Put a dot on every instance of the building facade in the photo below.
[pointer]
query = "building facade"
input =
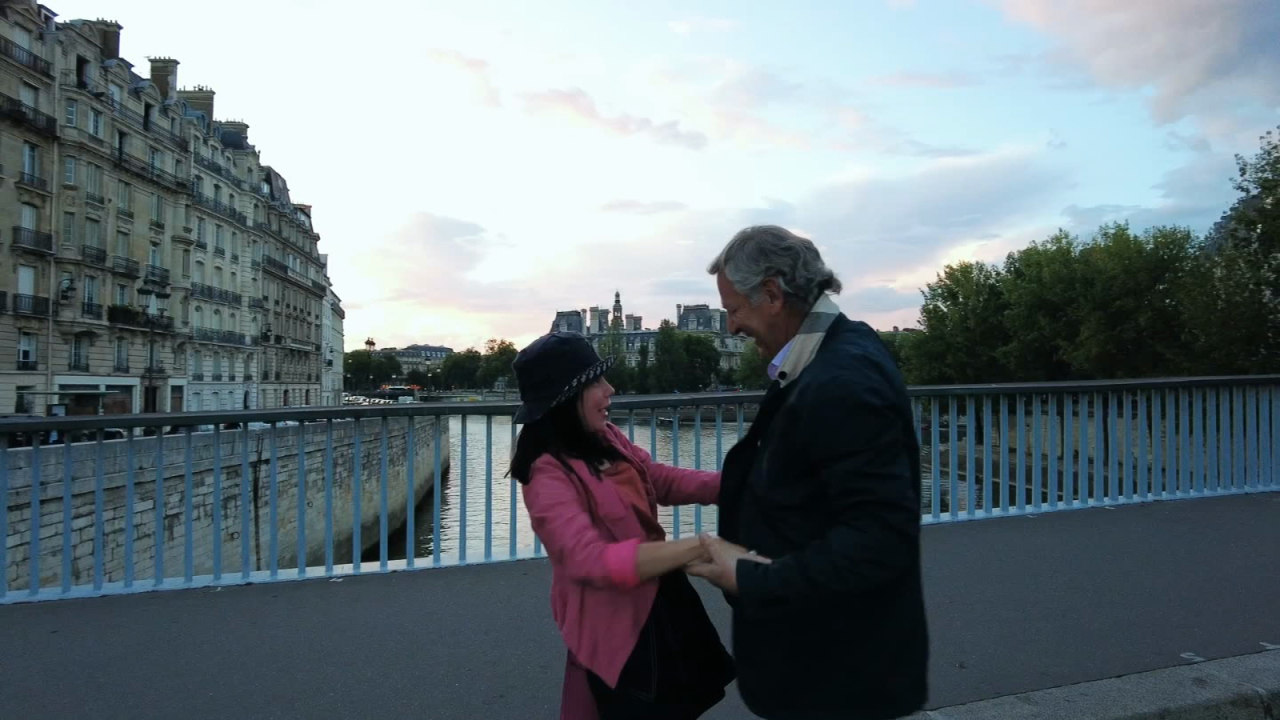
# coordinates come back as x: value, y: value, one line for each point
x: 596, y: 324
x: 149, y: 263
x: 424, y: 358
x: 332, y: 386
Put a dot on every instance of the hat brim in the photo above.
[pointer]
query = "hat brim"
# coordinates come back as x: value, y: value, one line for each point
x: 530, y: 411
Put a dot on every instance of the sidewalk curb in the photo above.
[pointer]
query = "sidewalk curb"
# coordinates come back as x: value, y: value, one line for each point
x: 1239, y: 688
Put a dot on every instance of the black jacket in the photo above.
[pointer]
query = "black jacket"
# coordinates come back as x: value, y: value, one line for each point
x: 827, y: 484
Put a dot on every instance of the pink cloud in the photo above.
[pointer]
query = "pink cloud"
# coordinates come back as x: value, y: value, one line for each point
x: 577, y: 104
x: 476, y: 69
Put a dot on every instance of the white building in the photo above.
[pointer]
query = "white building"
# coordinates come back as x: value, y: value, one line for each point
x: 331, y: 379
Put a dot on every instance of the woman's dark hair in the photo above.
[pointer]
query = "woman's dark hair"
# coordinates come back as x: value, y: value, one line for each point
x: 561, y: 434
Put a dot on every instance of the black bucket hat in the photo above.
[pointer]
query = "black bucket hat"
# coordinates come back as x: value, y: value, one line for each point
x: 553, y: 369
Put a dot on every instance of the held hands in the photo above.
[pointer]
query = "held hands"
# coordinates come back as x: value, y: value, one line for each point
x: 721, y: 562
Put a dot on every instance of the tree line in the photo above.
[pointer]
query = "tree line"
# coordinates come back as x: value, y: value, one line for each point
x: 1159, y: 302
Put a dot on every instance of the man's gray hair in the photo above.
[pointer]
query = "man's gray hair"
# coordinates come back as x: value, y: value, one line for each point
x: 768, y: 251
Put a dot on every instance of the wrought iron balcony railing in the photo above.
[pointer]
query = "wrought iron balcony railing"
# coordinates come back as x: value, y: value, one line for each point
x: 29, y: 239
x: 30, y: 305
x: 208, y: 292
x: 78, y: 364
x: 28, y: 365
x: 157, y: 274
x: 95, y: 255
x: 91, y: 310
x: 32, y: 180
x: 126, y: 266
x: 144, y: 169
x: 219, y: 207
x: 19, y: 112
x: 95, y: 199
x: 25, y: 57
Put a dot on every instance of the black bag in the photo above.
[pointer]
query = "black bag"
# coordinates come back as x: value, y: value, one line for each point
x: 678, y: 669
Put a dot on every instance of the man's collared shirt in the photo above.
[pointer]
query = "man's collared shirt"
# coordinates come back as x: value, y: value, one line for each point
x: 776, y: 364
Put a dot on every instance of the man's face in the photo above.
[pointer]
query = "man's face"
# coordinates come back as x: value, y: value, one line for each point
x: 762, y: 322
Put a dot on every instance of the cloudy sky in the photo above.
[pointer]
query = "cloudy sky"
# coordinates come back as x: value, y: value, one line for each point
x: 475, y: 166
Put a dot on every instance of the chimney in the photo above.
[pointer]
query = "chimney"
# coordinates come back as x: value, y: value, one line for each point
x: 164, y: 75
x: 239, y: 130
x: 199, y: 99
x: 679, y: 312
x: 110, y: 38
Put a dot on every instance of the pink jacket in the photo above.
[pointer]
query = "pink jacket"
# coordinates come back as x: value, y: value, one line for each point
x: 596, y: 599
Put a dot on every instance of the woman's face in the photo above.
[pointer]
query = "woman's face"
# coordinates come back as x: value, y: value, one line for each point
x: 594, y: 405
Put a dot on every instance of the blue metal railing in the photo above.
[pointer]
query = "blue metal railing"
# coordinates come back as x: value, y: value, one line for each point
x: 136, y: 502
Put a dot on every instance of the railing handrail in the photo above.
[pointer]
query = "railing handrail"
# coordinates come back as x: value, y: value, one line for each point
x: 508, y: 407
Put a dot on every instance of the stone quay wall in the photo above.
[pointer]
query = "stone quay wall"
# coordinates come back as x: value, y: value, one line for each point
x: 48, y: 527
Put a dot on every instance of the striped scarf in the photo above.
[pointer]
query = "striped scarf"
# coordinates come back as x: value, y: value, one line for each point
x: 806, y: 342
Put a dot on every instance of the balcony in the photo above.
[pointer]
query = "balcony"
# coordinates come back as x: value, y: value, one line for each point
x: 35, y: 182
x: 222, y: 337
x: 25, y: 57
x: 197, y: 376
x: 134, y: 317
x: 276, y: 265
x: 220, y: 170
x: 319, y: 286
x: 31, y: 305
x: 157, y: 369
x: 256, y: 264
x: 219, y: 207
x: 125, y: 213
x: 217, y: 377
x: 95, y: 199
x: 78, y: 364
x: 33, y: 240
x: 122, y: 366
x: 91, y: 310
x: 220, y: 251
x: 157, y: 274
x: 28, y: 365
x: 213, y: 294
x: 21, y: 113
x: 257, y: 304
x: 248, y: 377
x: 150, y: 172
x: 128, y: 267
x: 202, y: 244
x: 235, y: 257
x: 4, y: 301
x: 157, y: 225
x: 93, y: 255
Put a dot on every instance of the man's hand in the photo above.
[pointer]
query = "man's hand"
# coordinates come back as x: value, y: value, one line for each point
x: 722, y: 567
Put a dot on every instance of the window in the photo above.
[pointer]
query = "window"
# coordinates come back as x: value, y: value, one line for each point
x: 90, y: 289
x: 30, y: 217
x: 116, y: 92
x: 157, y: 207
x: 29, y: 95
x: 73, y: 112
x: 199, y: 183
x: 125, y: 196
x: 78, y: 356
x: 217, y: 236
x: 186, y: 263
x: 27, y: 347
x: 178, y: 167
x: 69, y: 170
x: 95, y: 123
x: 122, y: 354
x: 157, y: 158
x: 68, y: 227
x: 122, y: 243
x: 30, y: 159
x: 153, y: 256
x: 22, y: 37
x: 199, y: 277
x: 26, y: 280
x: 94, y: 177
x: 92, y: 233
x: 122, y: 294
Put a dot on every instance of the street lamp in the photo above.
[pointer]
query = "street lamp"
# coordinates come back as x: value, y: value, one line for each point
x: 150, y: 402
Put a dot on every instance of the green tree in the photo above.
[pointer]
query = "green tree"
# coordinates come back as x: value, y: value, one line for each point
x: 668, y: 366
x: 1231, y: 319
x: 496, y: 363
x: 1042, y: 286
x: 461, y: 370
x: 753, y: 370
x: 418, y: 377
x: 370, y: 371
x: 701, y: 361
x: 962, y: 319
x: 1253, y: 222
x: 642, y: 371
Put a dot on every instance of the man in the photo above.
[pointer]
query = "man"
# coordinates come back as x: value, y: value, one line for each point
x: 819, y: 502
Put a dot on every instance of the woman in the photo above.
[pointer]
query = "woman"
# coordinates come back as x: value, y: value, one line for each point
x: 640, y: 643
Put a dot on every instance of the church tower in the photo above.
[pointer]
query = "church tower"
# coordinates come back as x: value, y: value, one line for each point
x: 617, y: 309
